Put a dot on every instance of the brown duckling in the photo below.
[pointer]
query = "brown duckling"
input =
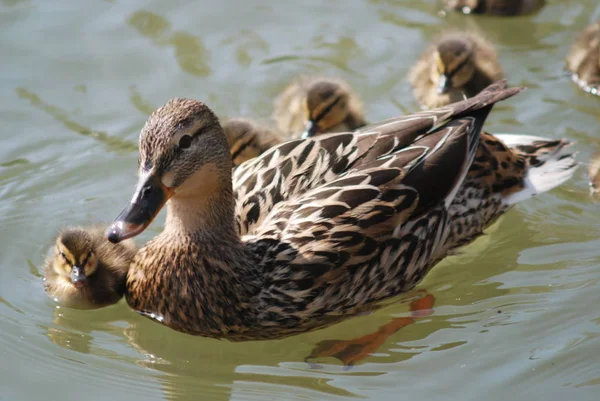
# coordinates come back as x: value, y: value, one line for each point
x: 248, y: 139
x: 593, y: 172
x: 456, y: 66
x: 583, y: 60
x: 495, y: 7
x: 310, y: 106
x: 85, y: 271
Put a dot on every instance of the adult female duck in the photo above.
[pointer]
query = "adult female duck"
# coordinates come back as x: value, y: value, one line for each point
x: 312, y: 230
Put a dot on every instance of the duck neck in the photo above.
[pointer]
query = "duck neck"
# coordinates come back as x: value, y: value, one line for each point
x: 210, y: 216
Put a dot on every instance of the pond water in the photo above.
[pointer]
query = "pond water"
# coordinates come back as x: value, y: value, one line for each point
x: 516, y: 313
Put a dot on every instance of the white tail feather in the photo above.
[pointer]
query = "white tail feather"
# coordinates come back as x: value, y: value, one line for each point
x: 558, y: 165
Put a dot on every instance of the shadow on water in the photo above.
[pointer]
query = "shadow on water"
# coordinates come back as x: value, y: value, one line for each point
x: 191, y: 54
x: 112, y: 143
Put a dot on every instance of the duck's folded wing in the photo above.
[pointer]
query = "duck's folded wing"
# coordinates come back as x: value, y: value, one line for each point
x: 291, y: 169
x: 382, y: 217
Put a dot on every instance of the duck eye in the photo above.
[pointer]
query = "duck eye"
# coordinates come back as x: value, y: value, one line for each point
x: 185, y: 142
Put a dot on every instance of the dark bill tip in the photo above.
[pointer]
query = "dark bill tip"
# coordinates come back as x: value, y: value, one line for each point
x: 310, y: 129
x: 150, y: 196
x: 77, y: 276
x: 444, y: 84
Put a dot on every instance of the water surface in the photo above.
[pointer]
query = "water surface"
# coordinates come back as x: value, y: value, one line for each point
x: 516, y: 313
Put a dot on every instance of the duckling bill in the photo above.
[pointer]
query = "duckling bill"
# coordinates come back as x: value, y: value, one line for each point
x: 85, y: 271
x: 495, y: 7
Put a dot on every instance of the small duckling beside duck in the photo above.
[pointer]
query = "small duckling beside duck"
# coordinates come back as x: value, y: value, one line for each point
x: 583, y: 60
x: 310, y: 106
x: 85, y: 271
x: 247, y: 139
x: 495, y: 7
x: 456, y: 66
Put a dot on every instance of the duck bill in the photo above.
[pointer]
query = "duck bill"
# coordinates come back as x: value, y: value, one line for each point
x: 443, y: 84
x: 149, y: 198
x: 310, y: 129
x: 77, y: 276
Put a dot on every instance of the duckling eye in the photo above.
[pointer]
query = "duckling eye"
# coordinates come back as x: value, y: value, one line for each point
x: 62, y: 254
x: 185, y: 142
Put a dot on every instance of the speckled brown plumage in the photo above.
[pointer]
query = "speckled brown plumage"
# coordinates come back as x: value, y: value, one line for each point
x: 329, y: 103
x: 495, y: 7
x: 310, y: 231
x: 583, y: 60
x: 467, y: 59
x: 107, y: 265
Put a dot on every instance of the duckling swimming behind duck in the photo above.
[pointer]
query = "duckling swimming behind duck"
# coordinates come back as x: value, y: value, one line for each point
x: 310, y: 106
x: 85, y: 271
x: 583, y: 60
x: 248, y: 139
x: 495, y: 7
x: 456, y: 66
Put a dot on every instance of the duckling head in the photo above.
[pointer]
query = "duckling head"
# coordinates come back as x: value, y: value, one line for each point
x: 74, y: 257
x: 453, y: 65
x: 242, y: 139
x: 327, y: 104
x: 184, y: 155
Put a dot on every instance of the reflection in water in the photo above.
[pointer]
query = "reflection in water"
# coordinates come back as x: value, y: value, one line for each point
x: 190, y: 53
x: 352, y: 351
x: 112, y: 143
x: 338, y: 54
x: 142, y: 105
x: 247, y: 42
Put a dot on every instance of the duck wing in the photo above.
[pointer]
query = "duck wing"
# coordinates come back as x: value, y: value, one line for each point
x: 293, y: 168
x: 370, y: 233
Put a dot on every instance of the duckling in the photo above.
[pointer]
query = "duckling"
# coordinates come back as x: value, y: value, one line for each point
x: 311, y: 106
x: 593, y: 172
x: 85, y: 271
x: 247, y: 139
x: 495, y: 7
x: 583, y: 60
x: 456, y: 66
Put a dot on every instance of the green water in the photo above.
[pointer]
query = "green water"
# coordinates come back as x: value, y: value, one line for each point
x: 516, y: 313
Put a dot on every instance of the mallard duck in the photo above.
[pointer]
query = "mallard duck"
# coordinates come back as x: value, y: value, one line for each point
x: 495, y: 7
x: 583, y: 60
x: 316, y: 105
x: 314, y: 230
x: 84, y: 270
x: 455, y: 66
x: 248, y: 139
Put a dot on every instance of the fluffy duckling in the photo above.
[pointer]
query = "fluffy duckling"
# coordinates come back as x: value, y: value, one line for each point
x: 85, y: 271
x: 593, y: 171
x: 456, y: 66
x: 248, y: 139
x: 583, y: 60
x: 310, y: 106
x: 495, y: 7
